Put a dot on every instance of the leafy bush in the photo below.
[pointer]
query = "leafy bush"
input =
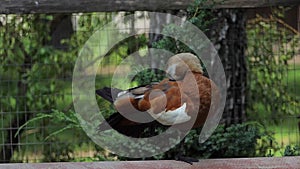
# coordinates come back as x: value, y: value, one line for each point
x: 291, y: 151
x: 148, y: 76
x: 238, y: 140
x: 271, y: 43
x: 200, y: 18
x: 32, y: 69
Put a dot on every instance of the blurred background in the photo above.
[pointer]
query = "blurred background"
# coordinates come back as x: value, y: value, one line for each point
x: 259, y: 49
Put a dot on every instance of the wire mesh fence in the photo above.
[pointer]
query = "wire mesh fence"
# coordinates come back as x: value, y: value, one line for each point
x: 36, y: 78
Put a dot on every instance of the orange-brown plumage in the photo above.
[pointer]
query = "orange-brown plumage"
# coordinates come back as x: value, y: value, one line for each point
x: 187, y: 85
x: 182, y: 100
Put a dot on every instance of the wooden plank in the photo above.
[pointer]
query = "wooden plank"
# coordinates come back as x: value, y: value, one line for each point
x: 234, y: 163
x: 75, y: 6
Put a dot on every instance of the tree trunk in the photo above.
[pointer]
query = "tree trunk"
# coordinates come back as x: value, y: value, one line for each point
x: 61, y: 28
x: 228, y: 34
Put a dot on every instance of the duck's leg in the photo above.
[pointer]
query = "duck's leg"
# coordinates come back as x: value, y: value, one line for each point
x: 180, y: 157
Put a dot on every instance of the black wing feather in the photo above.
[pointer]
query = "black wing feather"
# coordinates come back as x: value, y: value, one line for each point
x: 114, y: 120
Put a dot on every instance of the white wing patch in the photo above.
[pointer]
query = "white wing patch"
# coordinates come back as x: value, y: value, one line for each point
x: 126, y: 93
x: 171, y: 117
x: 139, y: 97
x: 122, y: 93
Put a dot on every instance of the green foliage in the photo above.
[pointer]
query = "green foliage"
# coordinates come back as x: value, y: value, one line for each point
x: 25, y: 55
x: 171, y: 44
x: 70, y: 120
x: 270, y: 45
x: 238, y: 140
x: 62, y: 152
x: 291, y: 151
x: 24, y: 41
x: 33, y: 74
x: 26, y: 61
x: 147, y: 76
x: 200, y: 14
x: 201, y: 18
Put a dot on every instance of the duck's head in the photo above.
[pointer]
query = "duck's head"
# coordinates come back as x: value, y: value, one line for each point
x: 180, y: 64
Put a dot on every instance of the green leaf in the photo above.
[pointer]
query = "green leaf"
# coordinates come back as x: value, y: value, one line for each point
x: 37, y: 118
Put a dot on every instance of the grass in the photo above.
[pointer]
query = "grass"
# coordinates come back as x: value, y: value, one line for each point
x: 293, y: 80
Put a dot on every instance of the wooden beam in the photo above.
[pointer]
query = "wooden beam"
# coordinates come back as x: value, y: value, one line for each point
x: 75, y: 6
x: 234, y: 163
x: 257, y: 3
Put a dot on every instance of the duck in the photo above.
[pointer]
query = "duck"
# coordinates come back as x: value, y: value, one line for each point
x: 182, y: 99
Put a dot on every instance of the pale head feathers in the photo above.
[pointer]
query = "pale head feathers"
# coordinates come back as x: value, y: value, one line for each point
x: 179, y: 64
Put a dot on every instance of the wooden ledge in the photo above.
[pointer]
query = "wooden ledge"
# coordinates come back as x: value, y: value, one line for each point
x: 234, y: 163
x: 75, y: 6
